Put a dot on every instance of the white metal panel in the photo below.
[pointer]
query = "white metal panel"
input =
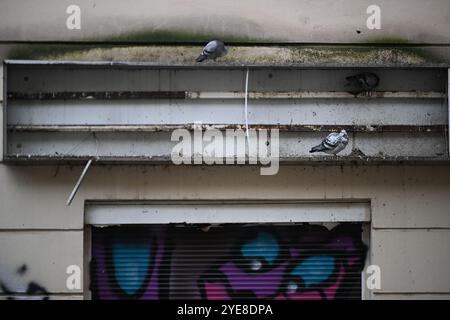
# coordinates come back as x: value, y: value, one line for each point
x: 229, y: 111
x: 226, y: 213
x: 146, y: 145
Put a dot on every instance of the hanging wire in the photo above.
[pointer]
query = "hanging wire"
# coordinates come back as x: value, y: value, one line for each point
x: 68, y: 152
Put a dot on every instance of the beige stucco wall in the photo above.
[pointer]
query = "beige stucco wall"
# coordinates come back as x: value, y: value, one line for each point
x: 270, y: 21
x: 410, y: 229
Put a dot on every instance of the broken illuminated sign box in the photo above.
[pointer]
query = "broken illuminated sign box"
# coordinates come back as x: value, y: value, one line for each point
x: 127, y: 112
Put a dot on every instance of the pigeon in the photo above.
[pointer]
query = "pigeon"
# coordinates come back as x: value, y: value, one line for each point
x: 362, y: 82
x: 213, y: 50
x: 333, y: 143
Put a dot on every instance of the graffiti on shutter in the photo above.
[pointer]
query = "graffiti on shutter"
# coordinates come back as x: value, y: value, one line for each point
x: 303, y: 261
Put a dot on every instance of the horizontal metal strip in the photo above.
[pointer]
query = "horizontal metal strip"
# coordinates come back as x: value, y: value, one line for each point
x: 195, y: 249
x: 122, y: 263
x: 355, y: 285
x: 218, y: 294
x: 198, y: 252
x: 182, y: 281
x: 137, y: 214
x: 198, y: 257
x: 195, y: 66
x: 185, y: 278
x: 168, y: 128
x: 131, y: 95
x: 187, y: 285
x: 190, y: 289
x: 98, y: 95
x: 220, y: 249
x: 158, y: 147
x: 180, y: 269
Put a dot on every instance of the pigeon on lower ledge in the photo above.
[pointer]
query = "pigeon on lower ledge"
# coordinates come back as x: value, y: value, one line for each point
x: 333, y: 144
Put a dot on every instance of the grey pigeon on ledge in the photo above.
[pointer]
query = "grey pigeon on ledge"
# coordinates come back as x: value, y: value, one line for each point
x: 362, y: 82
x: 333, y: 143
x: 213, y: 50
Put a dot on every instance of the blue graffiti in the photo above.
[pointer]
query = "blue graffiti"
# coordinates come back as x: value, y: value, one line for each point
x: 264, y: 246
x: 314, y: 270
x: 131, y: 262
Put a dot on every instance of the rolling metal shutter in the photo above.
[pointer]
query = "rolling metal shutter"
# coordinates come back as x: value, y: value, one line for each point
x: 299, y: 261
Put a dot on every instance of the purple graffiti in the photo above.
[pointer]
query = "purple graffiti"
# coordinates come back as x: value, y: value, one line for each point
x: 134, y: 272
x: 313, y: 263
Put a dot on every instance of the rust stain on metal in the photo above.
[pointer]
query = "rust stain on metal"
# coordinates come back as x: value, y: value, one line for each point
x: 98, y: 95
x: 122, y: 95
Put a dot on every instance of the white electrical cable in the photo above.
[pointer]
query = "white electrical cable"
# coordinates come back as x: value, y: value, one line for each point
x: 77, y: 185
x: 246, y: 112
x: 85, y: 170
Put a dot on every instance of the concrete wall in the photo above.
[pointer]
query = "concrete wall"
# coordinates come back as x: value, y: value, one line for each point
x: 26, y: 24
x: 410, y: 229
x: 268, y: 20
x: 409, y: 236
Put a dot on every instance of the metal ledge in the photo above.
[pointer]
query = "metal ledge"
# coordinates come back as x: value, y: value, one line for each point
x: 165, y: 160
x: 218, y: 66
x: 133, y: 95
x: 169, y: 128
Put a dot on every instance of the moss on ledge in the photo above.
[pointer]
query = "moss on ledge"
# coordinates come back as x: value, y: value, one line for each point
x: 237, y: 55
